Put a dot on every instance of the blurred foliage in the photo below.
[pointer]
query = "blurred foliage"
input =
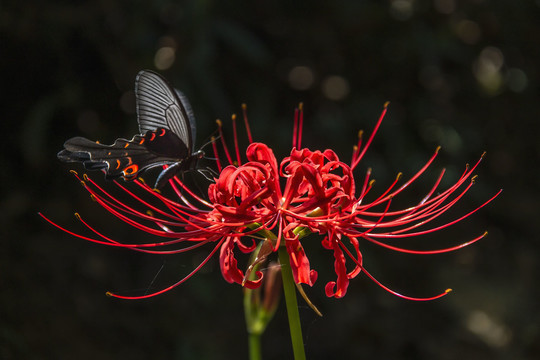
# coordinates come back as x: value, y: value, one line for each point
x: 462, y: 74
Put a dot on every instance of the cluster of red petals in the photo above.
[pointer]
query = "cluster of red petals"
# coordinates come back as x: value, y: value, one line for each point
x: 249, y: 198
x: 308, y: 192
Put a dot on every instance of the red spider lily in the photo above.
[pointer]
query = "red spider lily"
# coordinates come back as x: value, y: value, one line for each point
x: 308, y: 192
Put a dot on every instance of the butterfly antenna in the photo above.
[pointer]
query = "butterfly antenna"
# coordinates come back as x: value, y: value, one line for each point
x: 213, y: 137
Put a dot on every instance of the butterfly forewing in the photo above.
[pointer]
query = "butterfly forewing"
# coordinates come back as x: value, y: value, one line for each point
x: 158, y: 106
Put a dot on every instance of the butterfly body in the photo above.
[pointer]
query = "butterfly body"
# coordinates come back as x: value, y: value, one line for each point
x: 167, y: 129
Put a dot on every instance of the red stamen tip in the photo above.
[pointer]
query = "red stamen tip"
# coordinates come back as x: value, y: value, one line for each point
x: 74, y: 172
x: 244, y: 106
x: 386, y: 104
x: 448, y: 290
x: 219, y: 123
x: 399, y: 175
x: 233, y: 117
x: 78, y: 216
x: 437, y: 149
x: 109, y: 294
x: 473, y: 179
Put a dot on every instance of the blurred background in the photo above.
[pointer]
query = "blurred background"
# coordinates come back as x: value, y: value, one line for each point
x: 460, y: 74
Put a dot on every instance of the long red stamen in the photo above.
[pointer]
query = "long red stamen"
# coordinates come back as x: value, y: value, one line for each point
x: 386, y: 287
x: 246, y: 123
x: 300, y: 124
x: 370, y: 139
x: 426, y: 252
x: 235, y: 135
x: 216, y: 154
x: 146, y: 296
x: 223, y: 143
x: 357, y: 147
x: 295, y: 129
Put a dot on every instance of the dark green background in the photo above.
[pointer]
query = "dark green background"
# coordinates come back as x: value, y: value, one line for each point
x: 67, y: 66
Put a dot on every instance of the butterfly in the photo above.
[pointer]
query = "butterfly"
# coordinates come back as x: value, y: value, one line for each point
x: 167, y: 131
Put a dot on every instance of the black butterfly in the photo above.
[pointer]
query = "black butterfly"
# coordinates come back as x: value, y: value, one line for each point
x: 167, y: 131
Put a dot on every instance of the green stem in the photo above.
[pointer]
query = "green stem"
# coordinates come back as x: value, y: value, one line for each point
x: 289, y: 289
x: 255, y: 346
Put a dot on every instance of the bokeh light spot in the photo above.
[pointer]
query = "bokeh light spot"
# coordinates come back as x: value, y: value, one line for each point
x: 468, y: 31
x: 127, y: 102
x: 335, y: 87
x: 401, y: 9
x: 164, y: 58
x: 516, y: 80
x: 488, y: 329
x: 301, y: 77
x: 487, y: 68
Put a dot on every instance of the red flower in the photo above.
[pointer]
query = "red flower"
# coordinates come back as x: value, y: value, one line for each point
x: 309, y: 192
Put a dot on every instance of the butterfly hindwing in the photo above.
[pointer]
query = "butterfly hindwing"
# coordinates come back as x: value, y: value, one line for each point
x: 125, y: 158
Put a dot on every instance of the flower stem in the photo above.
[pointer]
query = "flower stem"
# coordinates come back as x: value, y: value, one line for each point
x: 289, y: 290
x: 255, y: 346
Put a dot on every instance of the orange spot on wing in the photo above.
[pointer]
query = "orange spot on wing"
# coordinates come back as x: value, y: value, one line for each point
x: 130, y: 170
x: 162, y: 132
x: 117, y: 163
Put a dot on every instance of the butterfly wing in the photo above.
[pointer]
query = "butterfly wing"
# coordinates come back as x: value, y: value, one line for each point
x: 161, y: 106
x: 166, y: 125
x: 124, y: 158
